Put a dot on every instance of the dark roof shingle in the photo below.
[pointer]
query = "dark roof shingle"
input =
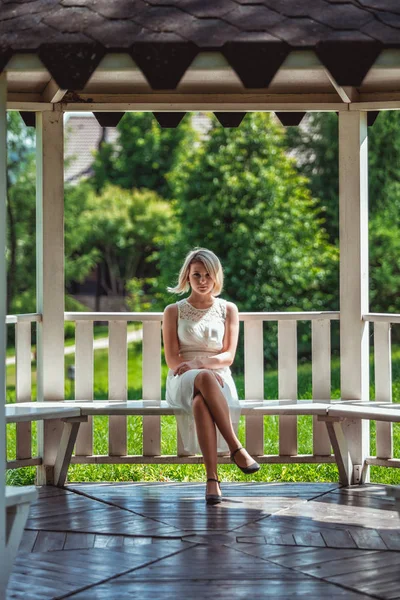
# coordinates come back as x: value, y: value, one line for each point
x: 164, y: 36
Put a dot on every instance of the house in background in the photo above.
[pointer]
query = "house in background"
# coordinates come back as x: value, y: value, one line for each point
x: 83, y: 137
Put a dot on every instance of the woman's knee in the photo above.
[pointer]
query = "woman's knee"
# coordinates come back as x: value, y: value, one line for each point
x: 204, y: 378
x: 198, y: 402
x: 199, y: 407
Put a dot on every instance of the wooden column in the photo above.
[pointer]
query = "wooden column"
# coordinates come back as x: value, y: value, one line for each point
x: 23, y: 384
x: 353, y: 209
x: 117, y: 385
x: 84, y: 378
x: 3, y: 310
x: 287, y: 384
x: 151, y: 376
x: 383, y: 386
x: 254, y: 383
x: 321, y: 380
x: 50, y: 279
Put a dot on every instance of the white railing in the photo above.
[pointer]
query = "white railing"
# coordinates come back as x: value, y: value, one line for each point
x: 23, y: 384
x: 151, y: 383
x: 383, y: 385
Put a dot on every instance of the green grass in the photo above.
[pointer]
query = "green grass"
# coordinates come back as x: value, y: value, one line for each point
x: 294, y: 472
x: 99, y: 331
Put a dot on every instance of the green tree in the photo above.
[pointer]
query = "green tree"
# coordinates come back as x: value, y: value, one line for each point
x: 20, y: 207
x: 315, y: 146
x: 21, y: 229
x: 143, y: 154
x: 240, y: 195
x: 121, y: 228
x: 384, y: 242
x: 80, y: 256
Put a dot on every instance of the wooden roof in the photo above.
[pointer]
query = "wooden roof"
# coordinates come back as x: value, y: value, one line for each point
x: 194, y: 46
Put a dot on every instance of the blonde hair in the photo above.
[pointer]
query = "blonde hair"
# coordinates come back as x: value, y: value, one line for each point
x: 210, y: 261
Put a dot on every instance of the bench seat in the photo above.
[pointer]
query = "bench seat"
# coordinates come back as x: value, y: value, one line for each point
x: 18, y: 501
x: 374, y: 411
x: 68, y: 412
x: 332, y: 412
x: 37, y: 411
x: 160, y: 407
x: 20, y: 494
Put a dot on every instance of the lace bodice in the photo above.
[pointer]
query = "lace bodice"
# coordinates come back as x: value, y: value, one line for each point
x: 190, y: 313
x: 201, y: 331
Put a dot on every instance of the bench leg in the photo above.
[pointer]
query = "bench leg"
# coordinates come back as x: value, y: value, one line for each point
x: 340, y: 449
x: 65, y: 448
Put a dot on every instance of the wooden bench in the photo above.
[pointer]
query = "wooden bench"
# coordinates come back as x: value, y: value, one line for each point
x: 68, y: 412
x: 337, y: 413
x: 18, y: 500
x: 332, y: 413
x: 72, y: 413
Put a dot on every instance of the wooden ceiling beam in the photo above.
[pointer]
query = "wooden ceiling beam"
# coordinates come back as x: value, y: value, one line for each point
x: 53, y: 93
x: 346, y: 93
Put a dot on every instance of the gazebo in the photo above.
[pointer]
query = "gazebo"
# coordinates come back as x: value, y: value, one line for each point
x: 170, y: 57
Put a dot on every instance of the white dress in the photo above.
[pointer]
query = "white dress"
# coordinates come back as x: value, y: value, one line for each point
x: 200, y: 334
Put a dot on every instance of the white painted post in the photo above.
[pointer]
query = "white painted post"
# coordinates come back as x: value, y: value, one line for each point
x: 353, y: 221
x: 50, y: 279
x: 3, y: 310
x: 321, y: 380
x: 383, y: 386
x: 254, y: 383
x: 23, y: 384
x: 151, y: 377
x: 287, y: 383
x: 117, y: 385
x: 84, y: 365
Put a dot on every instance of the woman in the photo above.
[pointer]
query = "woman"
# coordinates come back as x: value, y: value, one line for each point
x: 200, y: 339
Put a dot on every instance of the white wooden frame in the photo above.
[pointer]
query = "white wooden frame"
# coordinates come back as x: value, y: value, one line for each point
x: 14, y: 503
x: 353, y: 225
x: 351, y: 107
x: 50, y: 278
x: 3, y: 310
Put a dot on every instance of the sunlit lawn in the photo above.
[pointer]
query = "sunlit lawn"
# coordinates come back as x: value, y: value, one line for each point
x: 294, y: 472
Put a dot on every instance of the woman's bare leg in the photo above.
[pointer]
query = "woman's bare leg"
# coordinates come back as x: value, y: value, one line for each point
x: 207, y: 436
x: 209, y: 388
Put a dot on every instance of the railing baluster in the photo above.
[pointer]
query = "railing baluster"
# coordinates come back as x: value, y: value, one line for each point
x: 151, y: 385
x: 321, y: 380
x: 254, y: 383
x: 23, y: 384
x: 383, y: 386
x: 84, y: 382
x: 117, y: 385
x: 287, y: 382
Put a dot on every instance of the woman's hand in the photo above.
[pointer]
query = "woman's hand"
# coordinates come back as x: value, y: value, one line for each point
x: 218, y: 378
x: 196, y: 364
x: 182, y: 368
x: 187, y: 365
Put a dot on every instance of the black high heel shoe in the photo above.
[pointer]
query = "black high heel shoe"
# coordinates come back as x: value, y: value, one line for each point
x: 213, y: 498
x: 248, y: 470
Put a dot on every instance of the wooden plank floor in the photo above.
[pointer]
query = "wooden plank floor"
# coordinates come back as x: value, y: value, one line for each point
x: 160, y: 540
